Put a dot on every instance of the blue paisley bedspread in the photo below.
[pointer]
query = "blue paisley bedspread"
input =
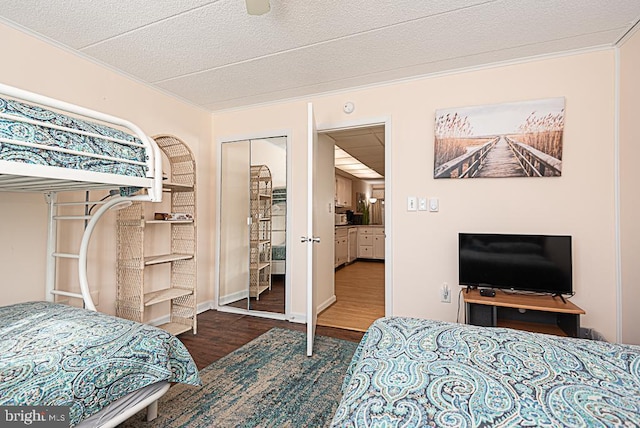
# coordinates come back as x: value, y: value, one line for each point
x: 417, y: 373
x: 41, y: 134
x: 58, y: 355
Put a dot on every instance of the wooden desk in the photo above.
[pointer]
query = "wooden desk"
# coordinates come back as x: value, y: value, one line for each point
x: 540, y: 314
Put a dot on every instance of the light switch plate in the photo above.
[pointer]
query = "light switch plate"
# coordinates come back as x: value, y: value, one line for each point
x: 422, y: 204
x: 412, y: 203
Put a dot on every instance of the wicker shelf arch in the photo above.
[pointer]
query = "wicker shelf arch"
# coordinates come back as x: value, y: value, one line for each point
x: 136, y: 221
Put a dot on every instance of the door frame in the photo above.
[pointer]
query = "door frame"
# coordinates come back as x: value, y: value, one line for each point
x: 388, y: 194
x: 216, y: 283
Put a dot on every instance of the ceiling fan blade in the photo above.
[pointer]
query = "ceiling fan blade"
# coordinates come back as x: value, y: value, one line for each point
x: 257, y: 7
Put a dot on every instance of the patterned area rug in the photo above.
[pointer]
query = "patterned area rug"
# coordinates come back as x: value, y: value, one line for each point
x: 269, y: 382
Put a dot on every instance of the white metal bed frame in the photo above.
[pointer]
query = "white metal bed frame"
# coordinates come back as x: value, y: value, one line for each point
x: 23, y: 177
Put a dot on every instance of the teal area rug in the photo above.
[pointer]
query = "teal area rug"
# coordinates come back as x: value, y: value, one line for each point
x: 269, y: 382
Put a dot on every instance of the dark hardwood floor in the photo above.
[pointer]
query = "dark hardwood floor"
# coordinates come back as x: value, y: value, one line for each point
x: 220, y: 333
x: 270, y: 300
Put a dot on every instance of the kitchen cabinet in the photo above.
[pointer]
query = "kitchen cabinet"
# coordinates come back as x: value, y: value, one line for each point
x: 378, y: 243
x: 341, y: 247
x: 343, y: 191
x: 371, y: 242
x: 352, y: 244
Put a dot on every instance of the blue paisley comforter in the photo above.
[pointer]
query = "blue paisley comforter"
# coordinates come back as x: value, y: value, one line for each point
x: 415, y: 373
x: 39, y: 134
x: 52, y: 354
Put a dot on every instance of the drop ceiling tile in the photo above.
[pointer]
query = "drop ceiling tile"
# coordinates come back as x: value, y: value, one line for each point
x: 223, y: 33
x: 359, y: 61
x: 216, y: 55
x: 79, y: 23
x: 211, y: 80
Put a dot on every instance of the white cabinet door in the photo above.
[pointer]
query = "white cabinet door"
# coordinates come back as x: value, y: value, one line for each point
x: 341, y: 249
x: 352, y: 244
x: 343, y: 191
x: 378, y: 243
x: 378, y: 247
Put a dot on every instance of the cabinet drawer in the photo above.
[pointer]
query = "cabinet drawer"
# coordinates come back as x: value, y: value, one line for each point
x: 341, y: 232
x: 365, y: 239
x: 365, y: 230
x: 365, y: 251
x: 378, y: 231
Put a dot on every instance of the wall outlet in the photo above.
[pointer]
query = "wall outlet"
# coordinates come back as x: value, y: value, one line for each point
x: 445, y: 293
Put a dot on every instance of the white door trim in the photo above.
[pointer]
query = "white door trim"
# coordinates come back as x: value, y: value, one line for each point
x: 388, y: 195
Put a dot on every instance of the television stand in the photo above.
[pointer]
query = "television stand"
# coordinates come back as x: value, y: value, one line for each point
x: 536, y: 313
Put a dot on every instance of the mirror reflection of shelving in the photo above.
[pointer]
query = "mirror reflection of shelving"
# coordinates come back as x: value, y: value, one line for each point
x: 279, y: 231
x: 250, y: 259
x: 260, y: 230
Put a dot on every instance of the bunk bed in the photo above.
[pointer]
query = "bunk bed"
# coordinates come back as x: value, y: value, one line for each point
x: 104, y: 368
x: 410, y: 372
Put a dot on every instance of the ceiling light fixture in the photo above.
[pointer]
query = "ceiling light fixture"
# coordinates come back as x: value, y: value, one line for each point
x: 257, y: 7
x: 347, y: 163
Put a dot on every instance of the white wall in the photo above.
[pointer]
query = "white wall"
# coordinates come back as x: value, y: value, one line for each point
x: 424, y: 244
x: 629, y: 195
x: 42, y: 68
x: 424, y: 247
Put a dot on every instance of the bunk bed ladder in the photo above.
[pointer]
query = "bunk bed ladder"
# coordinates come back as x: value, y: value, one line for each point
x: 53, y: 255
x: 89, y: 221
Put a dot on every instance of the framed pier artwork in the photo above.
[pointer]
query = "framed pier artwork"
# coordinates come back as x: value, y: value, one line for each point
x: 520, y: 139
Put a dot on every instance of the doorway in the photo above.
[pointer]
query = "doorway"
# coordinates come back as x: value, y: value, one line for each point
x: 361, y: 270
x: 253, y: 226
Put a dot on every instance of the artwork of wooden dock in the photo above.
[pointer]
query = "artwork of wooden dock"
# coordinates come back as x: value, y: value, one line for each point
x: 504, y: 140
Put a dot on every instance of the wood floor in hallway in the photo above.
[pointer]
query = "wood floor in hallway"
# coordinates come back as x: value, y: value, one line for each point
x: 359, y: 297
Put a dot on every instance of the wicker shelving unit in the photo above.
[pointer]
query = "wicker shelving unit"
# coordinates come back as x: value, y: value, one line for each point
x: 260, y: 230
x: 136, y: 221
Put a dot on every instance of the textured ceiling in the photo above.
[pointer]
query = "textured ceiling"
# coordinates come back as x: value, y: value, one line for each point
x: 215, y: 55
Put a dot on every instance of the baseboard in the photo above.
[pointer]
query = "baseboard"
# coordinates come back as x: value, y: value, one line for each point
x: 210, y: 304
x: 205, y: 306
x: 233, y: 297
x: 200, y: 308
x: 297, y: 318
x: 324, y: 305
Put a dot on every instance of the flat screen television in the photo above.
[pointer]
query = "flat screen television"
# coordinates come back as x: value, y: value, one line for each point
x: 538, y: 263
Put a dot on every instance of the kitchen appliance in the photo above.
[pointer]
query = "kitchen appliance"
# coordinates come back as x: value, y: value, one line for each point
x: 349, y: 214
x: 341, y: 219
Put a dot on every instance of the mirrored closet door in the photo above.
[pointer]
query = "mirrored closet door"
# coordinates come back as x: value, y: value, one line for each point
x: 253, y: 224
